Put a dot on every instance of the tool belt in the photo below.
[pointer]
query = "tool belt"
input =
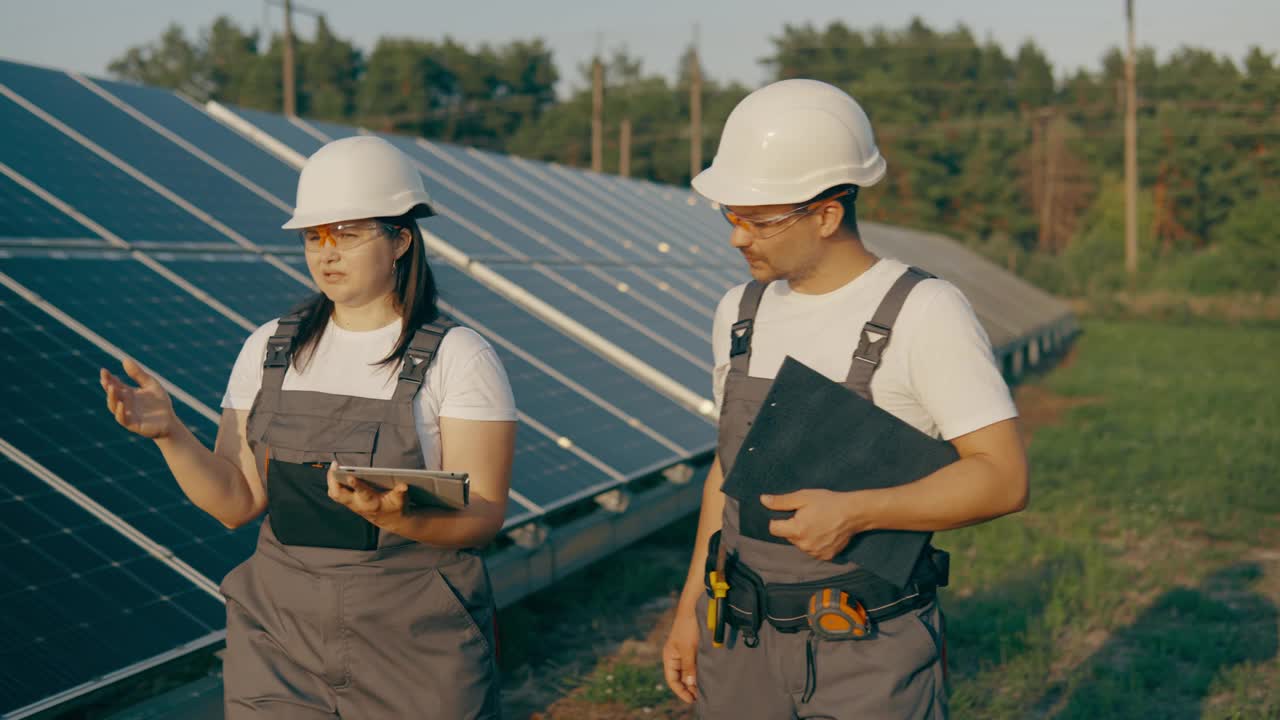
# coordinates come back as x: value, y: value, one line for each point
x: 860, y: 597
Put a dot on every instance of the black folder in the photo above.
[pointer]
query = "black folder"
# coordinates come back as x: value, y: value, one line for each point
x: 814, y: 433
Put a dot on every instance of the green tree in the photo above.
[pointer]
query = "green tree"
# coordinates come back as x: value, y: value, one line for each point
x: 170, y: 62
x: 329, y: 69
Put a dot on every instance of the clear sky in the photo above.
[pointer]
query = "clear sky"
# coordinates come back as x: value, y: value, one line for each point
x: 84, y: 35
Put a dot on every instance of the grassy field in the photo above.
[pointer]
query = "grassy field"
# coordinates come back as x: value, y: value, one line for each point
x: 1143, y: 582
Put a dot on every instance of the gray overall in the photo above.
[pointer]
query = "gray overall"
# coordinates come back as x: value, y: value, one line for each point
x: 331, y: 617
x: 898, y: 673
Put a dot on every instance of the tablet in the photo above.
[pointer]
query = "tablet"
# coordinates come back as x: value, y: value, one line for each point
x: 430, y: 488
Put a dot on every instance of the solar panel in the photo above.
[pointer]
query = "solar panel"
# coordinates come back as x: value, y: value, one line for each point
x: 584, y: 424
x: 191, y: 123
x: 679, y: 325
x: 461, y: 174
x: 644, y: 341
x: 133, y: 307
x: 213, y: 192
x: 707, y: 243
x: 656, y: 259
x: 640, y: 241
x: 23, y: 215
x: 720, y: 281
x: 91, y: 185
x: 52, y: 374
x: 505, y: 323
x: 672, y: 202
x: 688, y: 254
x: 245, y: 283
x: 80, y: 600
x: 280, y: 128
x: 541, y: 469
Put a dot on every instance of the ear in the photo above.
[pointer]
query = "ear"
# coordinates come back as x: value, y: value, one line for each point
x: 830, y: 218
x: 404, y: 240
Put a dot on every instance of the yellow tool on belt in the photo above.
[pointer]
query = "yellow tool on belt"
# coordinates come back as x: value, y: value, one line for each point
x: 832, y: 617
x: 716, y: 618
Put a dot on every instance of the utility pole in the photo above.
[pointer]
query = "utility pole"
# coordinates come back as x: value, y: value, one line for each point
x: 1050, y: 143
x: 290, y: 87
x: 1130, y: 154
x: 597, y: 114
x: 695, y: 108
x: 624, y: 148
x: 289, y: 71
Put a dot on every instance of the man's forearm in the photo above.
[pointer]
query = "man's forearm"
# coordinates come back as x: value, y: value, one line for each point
x: 967, y: 492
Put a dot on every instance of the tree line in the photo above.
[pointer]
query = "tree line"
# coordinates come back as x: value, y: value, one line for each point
x: 992, y: 147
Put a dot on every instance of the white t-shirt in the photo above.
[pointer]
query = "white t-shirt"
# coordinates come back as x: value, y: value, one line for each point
x: 938, y: 373
x: 466, y: 380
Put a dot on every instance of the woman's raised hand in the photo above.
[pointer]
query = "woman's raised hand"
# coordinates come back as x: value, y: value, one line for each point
x: 145, y: 409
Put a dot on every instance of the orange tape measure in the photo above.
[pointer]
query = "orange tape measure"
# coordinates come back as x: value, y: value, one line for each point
x: 832, y: 617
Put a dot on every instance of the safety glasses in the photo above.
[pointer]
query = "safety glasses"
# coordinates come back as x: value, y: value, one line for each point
x: 765, y: 228
x: 344, y: 236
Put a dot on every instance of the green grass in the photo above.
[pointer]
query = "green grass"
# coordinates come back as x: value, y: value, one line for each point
x: 634, y: 685
x: 1132, y: 587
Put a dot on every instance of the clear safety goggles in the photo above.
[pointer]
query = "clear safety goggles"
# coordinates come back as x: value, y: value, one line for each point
x: 346, y: 235
x: 765, y: 228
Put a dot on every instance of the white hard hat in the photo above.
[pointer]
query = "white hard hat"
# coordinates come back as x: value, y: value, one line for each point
x: 788, y: 142
x: 358, y: 177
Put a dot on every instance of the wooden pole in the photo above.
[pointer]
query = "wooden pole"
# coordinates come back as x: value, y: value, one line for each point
x: 290, y: 86
x: 597, y: 115
x: 1130, y: 153
x: 695, y: 113
x: 624, y: 148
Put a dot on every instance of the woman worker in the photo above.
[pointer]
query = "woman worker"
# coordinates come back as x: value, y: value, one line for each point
x: 353, y: 605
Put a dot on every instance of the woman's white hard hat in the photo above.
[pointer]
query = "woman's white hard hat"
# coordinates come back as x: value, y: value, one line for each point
x: 358, y: 177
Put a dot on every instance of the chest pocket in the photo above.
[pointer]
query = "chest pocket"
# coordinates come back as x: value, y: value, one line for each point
x: 298, y: 502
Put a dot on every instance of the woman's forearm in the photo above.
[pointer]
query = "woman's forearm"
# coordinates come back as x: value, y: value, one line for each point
x: 471, y: 527
x: 212, y: 482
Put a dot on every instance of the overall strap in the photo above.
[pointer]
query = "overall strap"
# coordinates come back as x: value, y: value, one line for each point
x: 280, y: 351
x: 875, y: 335
x: 740, y: 335
x: 418, y: 356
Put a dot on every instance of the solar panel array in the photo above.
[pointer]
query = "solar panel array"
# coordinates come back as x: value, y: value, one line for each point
x: 136, y: 223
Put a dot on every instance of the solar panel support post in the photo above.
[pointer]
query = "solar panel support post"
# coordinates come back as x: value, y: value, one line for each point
x: 679, y: 474
x: 529, y: 536
x: 616, y: 500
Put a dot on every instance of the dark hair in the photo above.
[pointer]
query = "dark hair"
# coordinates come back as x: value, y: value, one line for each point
x: 848, y: 202
x: 415, y: 298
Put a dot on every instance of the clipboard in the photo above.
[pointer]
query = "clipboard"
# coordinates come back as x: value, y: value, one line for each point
x: 811, y: 432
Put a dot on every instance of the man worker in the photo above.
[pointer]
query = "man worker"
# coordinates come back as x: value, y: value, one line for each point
x: 792, y: 159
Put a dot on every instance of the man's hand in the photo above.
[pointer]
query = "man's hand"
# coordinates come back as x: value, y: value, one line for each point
x: 680, y: 654
x: 823, y: 523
